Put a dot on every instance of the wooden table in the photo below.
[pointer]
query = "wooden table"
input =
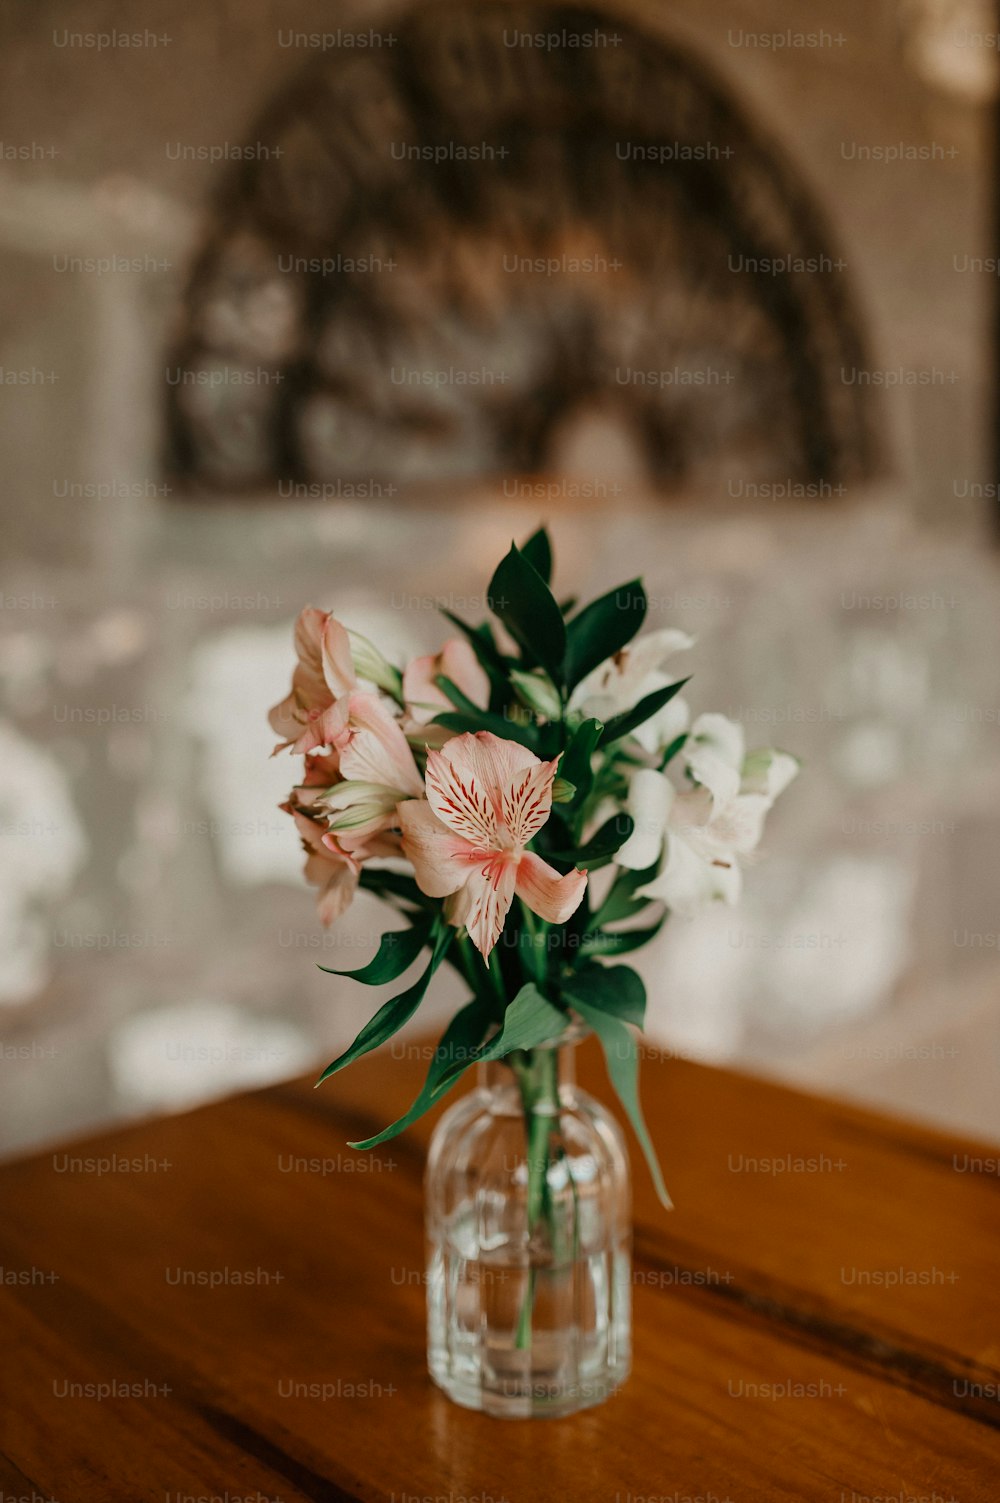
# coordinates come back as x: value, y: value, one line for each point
x: 819, y: 1318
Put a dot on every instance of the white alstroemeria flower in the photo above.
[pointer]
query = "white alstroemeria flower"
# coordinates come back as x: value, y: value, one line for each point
x: 715, y: 756
x: 714, y: 753
x: 700, y: 834
x: 619, y: 683
x: 651, y: 796
x: 769, y: 772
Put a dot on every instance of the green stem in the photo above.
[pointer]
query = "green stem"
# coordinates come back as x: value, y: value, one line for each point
x: 484, y: 981
x: 467, y: 957
x: 536, y: 930
x: 537, y: 1072
x: 496, y: 977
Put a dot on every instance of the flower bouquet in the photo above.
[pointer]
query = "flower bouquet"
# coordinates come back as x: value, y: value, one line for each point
x: 532, y: 801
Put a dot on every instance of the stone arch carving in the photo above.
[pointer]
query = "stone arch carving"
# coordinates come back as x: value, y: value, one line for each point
x: 448, y: 239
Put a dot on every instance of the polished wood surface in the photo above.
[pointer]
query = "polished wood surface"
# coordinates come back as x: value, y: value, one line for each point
x: 229, y: 1304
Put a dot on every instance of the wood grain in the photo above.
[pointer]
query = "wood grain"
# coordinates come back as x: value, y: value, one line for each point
x: 825, y: 1330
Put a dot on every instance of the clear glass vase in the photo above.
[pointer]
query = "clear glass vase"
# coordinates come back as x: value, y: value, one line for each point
x: 529, y: 1233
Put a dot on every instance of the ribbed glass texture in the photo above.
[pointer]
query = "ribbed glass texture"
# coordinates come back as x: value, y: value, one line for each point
x: 529, y: 1243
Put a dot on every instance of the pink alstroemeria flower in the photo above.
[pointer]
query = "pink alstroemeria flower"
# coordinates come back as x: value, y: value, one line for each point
x: 324, y: 672
x: 330, y: 868
x: 334, y: 860
x: 456, y: 661
x: 370, y: 745
x: 321, y: 772
x: 486, y: 798
x: 358, y: 783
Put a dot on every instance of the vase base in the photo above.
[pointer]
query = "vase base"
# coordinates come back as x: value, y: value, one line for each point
x: 514, y: 1394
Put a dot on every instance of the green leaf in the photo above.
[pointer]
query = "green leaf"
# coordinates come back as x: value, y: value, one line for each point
x: 481, y: 640
x: 529, y: 1020
x: 623, y: 1071
x: 520, y: 598
x: 457, y: 1047
x: 601, y: 847
x: 485, y: 720
x: 393, y: 1014
x: 672, y: 750
x: 533, y: 952
x: 616, y: 990
x: 389, y: 884
x: 630, y: 720
x: 575, y: 766
x: 538, y: 551
x: 396, y: 952
x: 620, y: 943
x: 500, y: 725
x: 621, y: 902
x: 461, y: 701
x: 602, y: 629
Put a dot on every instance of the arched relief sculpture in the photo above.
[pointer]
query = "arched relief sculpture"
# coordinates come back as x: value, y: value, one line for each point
x: 452, y: 240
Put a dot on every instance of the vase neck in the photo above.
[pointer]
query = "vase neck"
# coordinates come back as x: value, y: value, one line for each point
x: 544, y: 1072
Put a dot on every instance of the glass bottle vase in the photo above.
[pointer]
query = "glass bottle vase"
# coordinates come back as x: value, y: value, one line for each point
x: 528, y: 1206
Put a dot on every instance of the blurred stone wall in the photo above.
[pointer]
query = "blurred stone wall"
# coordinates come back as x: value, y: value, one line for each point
x: 158, y: 945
